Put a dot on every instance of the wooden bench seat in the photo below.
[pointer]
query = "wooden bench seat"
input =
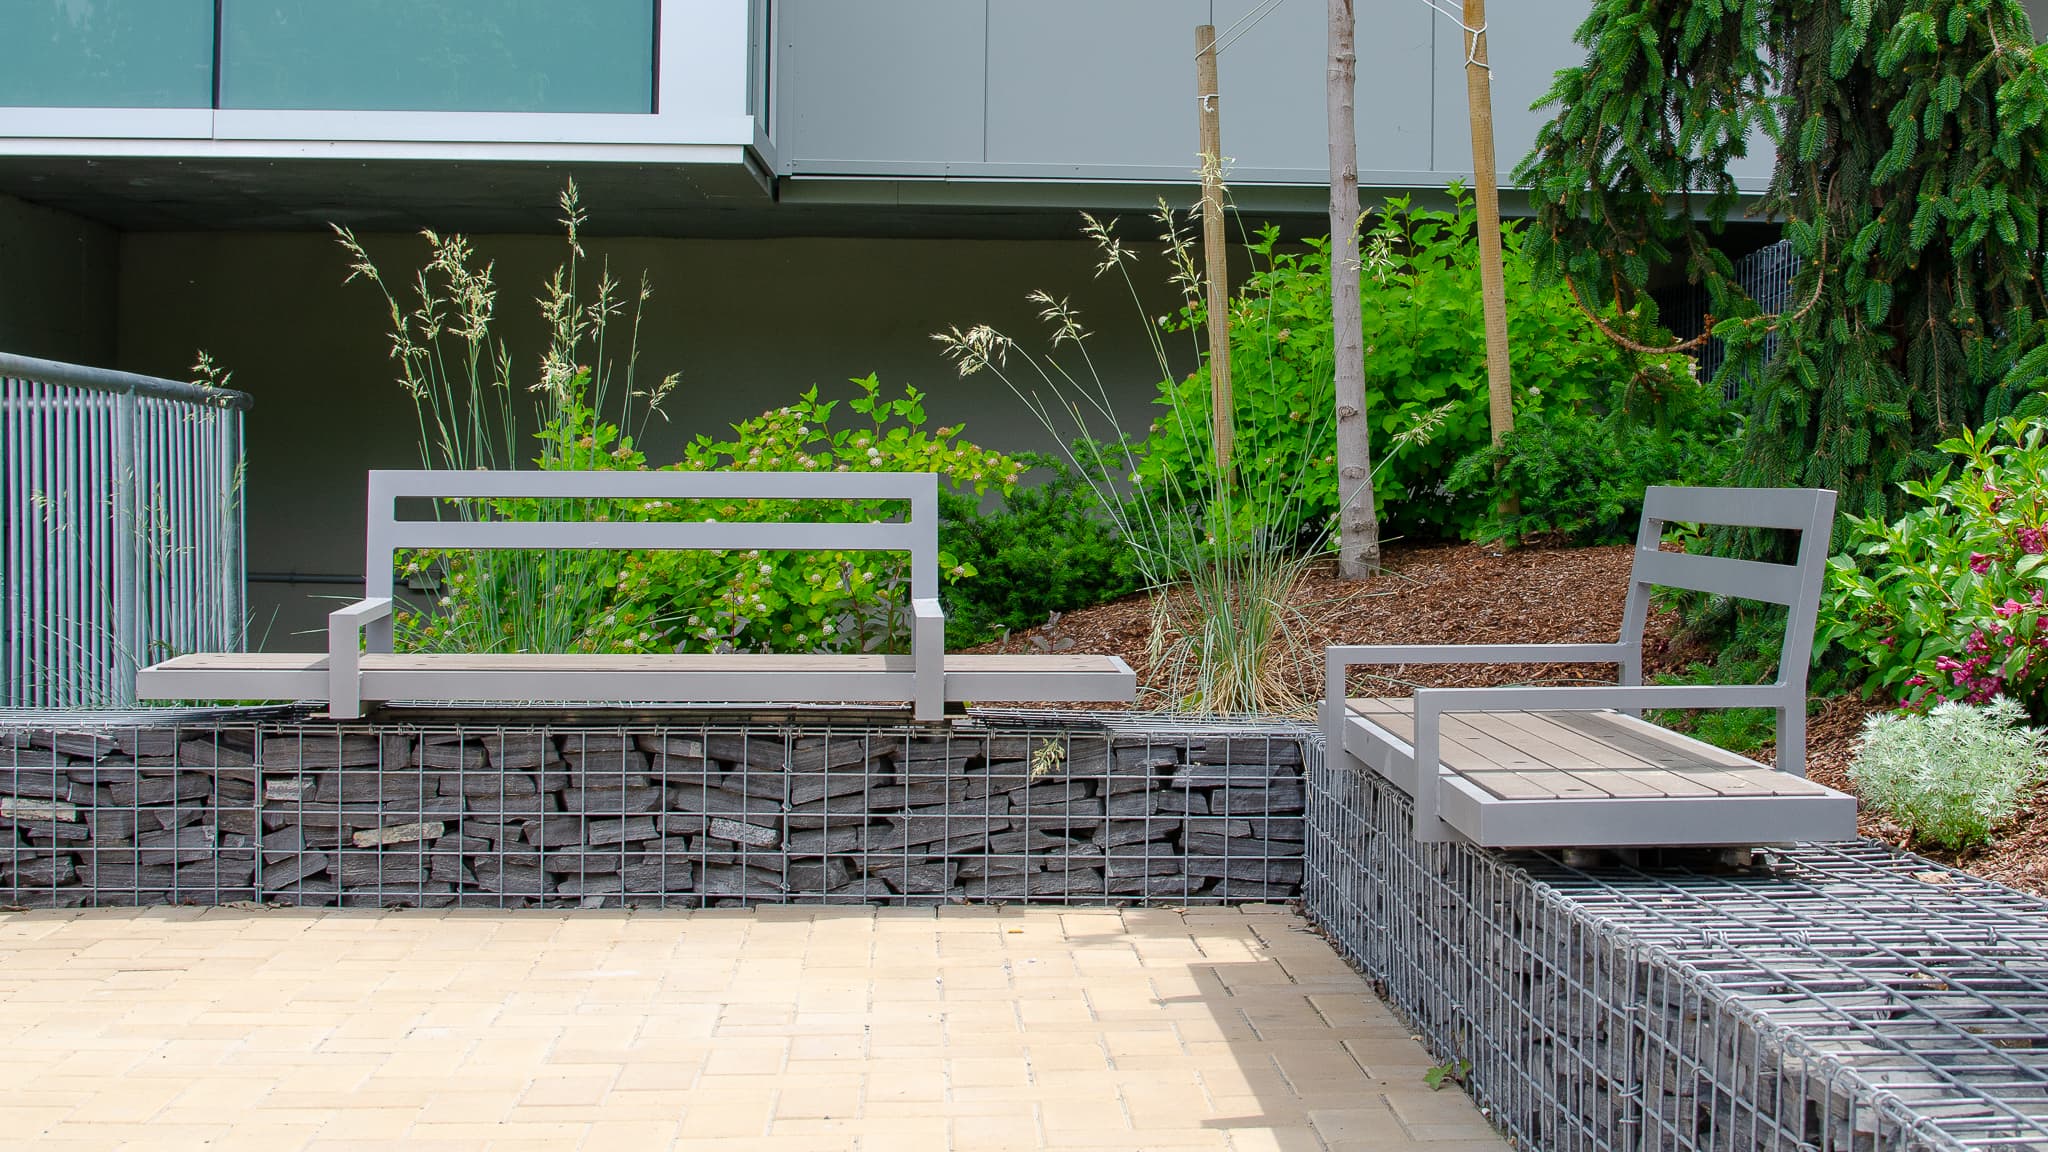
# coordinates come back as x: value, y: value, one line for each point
x: 734, y: 678
x: 1543, y: 767
x: 360, y: 667
x: 1520, y: 779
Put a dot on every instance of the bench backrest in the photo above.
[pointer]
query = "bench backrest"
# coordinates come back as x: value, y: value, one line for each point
x: 387, y: 534
x: 1808, y: 511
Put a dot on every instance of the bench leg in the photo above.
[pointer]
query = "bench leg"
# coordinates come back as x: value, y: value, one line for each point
x: 928, y: 652
x: 1792, y: 740
x: 344, y: 685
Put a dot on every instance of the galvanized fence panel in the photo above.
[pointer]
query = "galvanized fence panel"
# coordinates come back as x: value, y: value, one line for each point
x: 1766, y: 275
x: 120, y: 529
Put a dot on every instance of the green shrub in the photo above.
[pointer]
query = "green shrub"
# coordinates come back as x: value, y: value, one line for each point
x: 1946, y: 601
x: 460, y: 380
x: 1953, y: 774
x: 1047, y: 549
x: 1219, y: 550
x: 703, y: 601
x: 1425, y: 370
x: 589, y: 404
x: 1746, y: 652
x: 1578, y: 473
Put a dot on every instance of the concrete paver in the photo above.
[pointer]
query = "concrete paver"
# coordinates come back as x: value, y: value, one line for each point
x: 812, y: 1029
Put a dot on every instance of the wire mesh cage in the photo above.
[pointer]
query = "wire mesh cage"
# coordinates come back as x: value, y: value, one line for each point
x: 673, y: 813
x: 1823, y: 997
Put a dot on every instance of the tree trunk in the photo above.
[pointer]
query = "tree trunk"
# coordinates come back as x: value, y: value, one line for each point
x: 1486, y: 199
x: 1358, y: 528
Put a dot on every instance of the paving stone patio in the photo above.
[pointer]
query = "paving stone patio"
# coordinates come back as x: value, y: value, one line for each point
x: 791, y: 1028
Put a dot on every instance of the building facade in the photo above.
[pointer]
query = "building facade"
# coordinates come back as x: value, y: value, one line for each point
x: 814, y: 187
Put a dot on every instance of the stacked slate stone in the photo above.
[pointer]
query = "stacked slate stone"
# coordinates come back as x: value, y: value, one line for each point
x: 125, y: 817
x: 690, y: 817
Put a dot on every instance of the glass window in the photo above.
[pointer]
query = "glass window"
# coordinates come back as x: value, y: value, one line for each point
x: 107, y: 53
x: 439, y: 55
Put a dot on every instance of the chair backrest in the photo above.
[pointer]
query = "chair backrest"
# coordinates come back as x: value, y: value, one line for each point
x: 1808, y: 511
x: 919, y: 536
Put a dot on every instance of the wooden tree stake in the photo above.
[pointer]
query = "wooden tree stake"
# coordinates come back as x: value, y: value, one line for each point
x: 1215, y: 258
x: 1486, y: 197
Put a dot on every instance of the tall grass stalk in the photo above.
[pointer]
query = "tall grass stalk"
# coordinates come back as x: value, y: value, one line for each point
x: 1220, y: 566
x: 468, y: 404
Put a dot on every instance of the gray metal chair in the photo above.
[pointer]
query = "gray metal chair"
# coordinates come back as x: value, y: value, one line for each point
x: 1611, y: 779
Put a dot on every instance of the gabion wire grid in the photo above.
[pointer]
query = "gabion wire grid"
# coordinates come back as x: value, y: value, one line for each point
x: 1060, y: 808
x: 1846, y: 997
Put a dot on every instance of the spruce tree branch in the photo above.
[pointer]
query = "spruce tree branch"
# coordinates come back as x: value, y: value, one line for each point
x: 1820, y: 279
x: 1625, y: 342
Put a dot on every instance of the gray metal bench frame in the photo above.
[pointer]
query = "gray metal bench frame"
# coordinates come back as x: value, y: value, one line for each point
x: 1810, y: 512
x: 367, y: 624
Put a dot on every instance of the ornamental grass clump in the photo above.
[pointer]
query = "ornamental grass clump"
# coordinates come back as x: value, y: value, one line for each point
x: 587, y: 409
x: 475, y: 410
x: 1953, y: 774
x: 1220, y: 551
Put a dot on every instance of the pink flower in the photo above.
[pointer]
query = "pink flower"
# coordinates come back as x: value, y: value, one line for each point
x: 1915, y: 681
x: 1980, y: 563
x: 2009, y: 609
x: 2033, y: 541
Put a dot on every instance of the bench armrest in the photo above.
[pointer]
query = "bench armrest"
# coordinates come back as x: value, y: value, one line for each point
x: 1432, y: 703
x: 1350, y: 655
x: 365, y: 623
x: 928, y: 654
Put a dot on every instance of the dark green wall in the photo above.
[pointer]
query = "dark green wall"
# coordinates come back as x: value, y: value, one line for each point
x: 57, y: 285
x: 748, y: 324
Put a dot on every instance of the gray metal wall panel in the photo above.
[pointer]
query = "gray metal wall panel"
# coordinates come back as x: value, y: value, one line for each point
x: 1526, y: 44
x: 1104, y: 89
x: 886, y: 82
x: 1274, y: 112
x: 1093, y: 82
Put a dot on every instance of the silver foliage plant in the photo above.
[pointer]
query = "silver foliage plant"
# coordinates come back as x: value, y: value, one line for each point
x: 1953, y: 774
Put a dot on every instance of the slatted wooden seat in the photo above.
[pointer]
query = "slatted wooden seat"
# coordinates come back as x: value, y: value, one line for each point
x: 1578, y: 766
x: 360, y: 666
x: 639, y: 679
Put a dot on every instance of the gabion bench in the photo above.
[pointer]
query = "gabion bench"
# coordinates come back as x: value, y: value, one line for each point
x: 360, y: 666
x: 1550, y: 767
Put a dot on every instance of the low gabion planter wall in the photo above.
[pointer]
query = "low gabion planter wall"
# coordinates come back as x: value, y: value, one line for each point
x: 1825, y: 997
x: 678, y: 813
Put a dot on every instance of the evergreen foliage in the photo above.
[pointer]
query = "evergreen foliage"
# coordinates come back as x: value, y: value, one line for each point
x: 1911, y: 173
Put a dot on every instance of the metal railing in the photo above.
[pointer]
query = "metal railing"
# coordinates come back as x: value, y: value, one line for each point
x: 120, y: 529
x: 1766, y: 275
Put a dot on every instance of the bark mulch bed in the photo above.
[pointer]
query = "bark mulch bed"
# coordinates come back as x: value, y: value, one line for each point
x: 1444, y: 594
